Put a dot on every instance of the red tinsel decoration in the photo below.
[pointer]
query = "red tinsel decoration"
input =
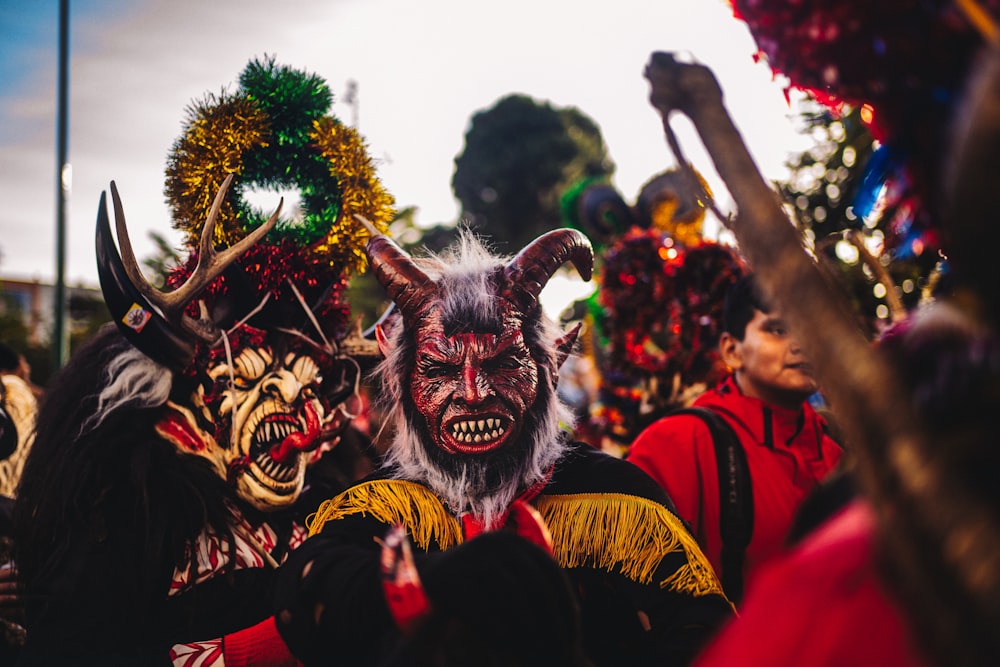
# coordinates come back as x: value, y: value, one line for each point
x: 860, y: 51
x: 268, y: 269
x: 907, y: 60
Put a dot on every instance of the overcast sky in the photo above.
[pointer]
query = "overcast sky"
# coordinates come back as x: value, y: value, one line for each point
x: 422, y: 68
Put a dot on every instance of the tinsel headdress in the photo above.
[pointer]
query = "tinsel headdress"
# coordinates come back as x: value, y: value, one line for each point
x: 273, y: 132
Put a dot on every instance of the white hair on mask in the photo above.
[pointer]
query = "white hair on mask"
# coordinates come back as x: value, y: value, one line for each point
x: 466, y: 291
x: 131, y: 379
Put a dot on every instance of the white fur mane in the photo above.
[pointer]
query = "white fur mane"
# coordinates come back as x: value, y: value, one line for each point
x: 464, y: 287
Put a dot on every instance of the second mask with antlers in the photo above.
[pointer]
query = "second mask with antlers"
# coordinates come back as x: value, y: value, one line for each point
x: 252, y: 334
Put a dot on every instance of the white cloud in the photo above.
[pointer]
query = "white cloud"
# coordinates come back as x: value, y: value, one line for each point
x: 423, y: 70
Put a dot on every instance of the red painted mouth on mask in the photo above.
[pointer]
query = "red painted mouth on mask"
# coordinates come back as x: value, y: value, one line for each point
x: 475, y: 434
x: 299, y: 442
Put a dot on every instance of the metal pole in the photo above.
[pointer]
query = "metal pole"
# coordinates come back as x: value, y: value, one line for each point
x: 60, y: 334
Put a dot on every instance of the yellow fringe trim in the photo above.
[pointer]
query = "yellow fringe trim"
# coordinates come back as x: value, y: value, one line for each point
x: 632, y: 534
x: 394, y: 502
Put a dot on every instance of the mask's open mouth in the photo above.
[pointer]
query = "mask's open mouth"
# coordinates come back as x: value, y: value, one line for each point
x: 470, y: 435
x: 273, y: 474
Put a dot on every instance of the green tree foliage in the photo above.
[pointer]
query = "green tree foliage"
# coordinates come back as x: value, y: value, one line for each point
x: 824, y: 177
x: 821, y: 190
x: 519, y: 157
x: 162, y: 262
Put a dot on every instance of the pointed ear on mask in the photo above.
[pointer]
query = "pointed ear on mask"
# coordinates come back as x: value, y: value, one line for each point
x: 564, y: 344
x: 382, y: 340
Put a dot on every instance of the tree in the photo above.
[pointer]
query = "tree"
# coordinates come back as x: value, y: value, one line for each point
x: 163, y: 261
x: 519, y: 157
x: 824, y: 188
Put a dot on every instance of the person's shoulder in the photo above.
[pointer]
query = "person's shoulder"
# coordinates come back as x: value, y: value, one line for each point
x: 686, y: 427
x: 837, y: 549
x: 585, y: 469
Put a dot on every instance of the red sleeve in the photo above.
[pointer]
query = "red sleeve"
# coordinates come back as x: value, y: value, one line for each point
x: 257, y: 646
x: 829, y: 603
x: 678, y: 453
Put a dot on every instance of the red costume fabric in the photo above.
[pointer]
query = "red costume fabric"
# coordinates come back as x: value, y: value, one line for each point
x: 827, y: 600
x: 787, y: 451
x: 259, y: 645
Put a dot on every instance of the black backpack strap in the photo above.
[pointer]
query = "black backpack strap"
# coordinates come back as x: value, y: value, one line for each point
x: 735, y: 498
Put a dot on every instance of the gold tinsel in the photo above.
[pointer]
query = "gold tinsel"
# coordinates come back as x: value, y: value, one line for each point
x: 361, y: 193
x: 687, y: 227
x: 220, y: 132
x: 392, y: 502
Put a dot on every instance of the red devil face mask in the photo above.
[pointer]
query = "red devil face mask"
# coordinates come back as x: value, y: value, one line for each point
x: 473, y: 390
x: 470, y: 368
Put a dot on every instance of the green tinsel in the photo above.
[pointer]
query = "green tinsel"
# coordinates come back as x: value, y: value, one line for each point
x: 274, y: 133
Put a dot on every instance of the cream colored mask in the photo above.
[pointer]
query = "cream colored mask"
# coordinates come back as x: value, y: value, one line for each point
x: 258, y: 418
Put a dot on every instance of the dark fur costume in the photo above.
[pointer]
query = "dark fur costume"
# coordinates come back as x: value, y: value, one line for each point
x: 611, y: 530
x: 102, y: 520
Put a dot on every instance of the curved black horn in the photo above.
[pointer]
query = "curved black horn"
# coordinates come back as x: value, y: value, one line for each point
x: 531, y: 269
x: 135, y: 316
x: 396, y: 271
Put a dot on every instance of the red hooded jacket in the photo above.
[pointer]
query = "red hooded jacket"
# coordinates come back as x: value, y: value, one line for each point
x: 787, y: 451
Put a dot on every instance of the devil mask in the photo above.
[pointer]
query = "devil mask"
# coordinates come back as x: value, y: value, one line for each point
x: 471, y: 365
x: 252, y: 331
x: 259, y: 379
x: 252, y: 396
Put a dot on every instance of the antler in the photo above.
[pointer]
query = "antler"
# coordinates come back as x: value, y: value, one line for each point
x: 211, y: 264
x: 356, y: 346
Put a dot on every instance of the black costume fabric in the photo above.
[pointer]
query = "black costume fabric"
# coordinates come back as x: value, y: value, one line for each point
x: 614, y: 533
x: 106, y: 600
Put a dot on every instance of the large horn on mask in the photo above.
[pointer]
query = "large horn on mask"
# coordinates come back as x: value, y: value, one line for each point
x: 532, y: 268
x: 398, y: 274
x: 138, y: 320
x: 136, y: 304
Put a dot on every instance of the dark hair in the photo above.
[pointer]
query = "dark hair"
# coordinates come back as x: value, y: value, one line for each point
x: 118, y: 481
x: 743, y: 298
x: 498, y: 601
x: 9, y: 359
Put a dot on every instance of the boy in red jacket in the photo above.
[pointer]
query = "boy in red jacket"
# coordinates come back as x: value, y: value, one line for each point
x: 767, y: 452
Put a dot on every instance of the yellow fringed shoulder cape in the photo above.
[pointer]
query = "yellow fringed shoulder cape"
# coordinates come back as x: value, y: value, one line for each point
x: 609, y: 531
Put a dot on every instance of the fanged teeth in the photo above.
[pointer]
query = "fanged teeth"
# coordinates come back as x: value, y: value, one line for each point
x: 269, y: 433
x: 277, y: 471
x: 274, y: 431
x: 477, y: 430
